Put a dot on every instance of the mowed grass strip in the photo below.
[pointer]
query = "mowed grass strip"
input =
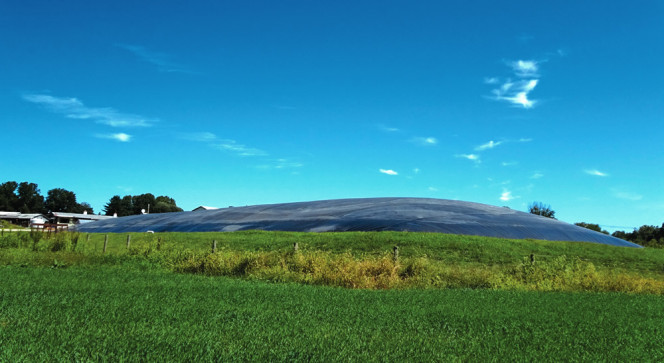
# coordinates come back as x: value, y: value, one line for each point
x: 110, y: 313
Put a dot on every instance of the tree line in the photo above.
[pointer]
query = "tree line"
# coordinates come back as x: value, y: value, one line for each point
x: 26, y: 197
x: 647, y: 236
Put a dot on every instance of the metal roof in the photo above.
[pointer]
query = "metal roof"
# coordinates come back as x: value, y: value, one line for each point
x: 370, y: 214
x: 93, y: 217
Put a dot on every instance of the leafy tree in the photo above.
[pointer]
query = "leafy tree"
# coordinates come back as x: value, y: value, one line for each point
x: 649, y: 236
x: 541, y: 209
x: 592, y: 226
x: 131, y: 205
x: 143, y: 202
x: 8, y: 198
x: 61, y: 200
x: 29, y: 199
x: 85, y: 207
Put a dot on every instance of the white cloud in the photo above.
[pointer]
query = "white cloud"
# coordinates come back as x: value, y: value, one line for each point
x: 122, y: 137
x: 473, y: 157
x: 200, y: 136
x: 489, y: 145
x: 385, y: 128
x: 75, y: 109
x: 537, y: 175
x: 281, y: 164
x: 517, y: 92
x: 506, y: 195
x: 433, y: 189
x: 425, y: 141
x: 523, y: 139
x: 239, y: 149
x: 595, y: 172
x: 163, y: 61
x: 509, y: 163
x: 416, y: 170
x: 528, y: 68
x: 388, y: 171
x: 621, y: 194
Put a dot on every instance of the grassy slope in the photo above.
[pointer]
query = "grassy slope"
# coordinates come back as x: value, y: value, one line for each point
x: 129, y: 313
x: 447, y: 248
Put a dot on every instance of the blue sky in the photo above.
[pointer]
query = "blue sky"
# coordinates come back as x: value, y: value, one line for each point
x: 250, y: 102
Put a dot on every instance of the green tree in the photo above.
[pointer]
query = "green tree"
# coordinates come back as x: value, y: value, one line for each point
x: 29, y: 199
x: 143, y: 202
x: 541, y: 209
x: 8, y: 198
x: 592, y: 226
x: 61, y: 200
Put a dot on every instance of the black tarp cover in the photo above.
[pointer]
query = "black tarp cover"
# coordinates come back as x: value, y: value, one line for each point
x: 368, y: 214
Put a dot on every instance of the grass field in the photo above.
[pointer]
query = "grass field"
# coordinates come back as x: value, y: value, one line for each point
x: 446, y: 297
x: 130, y: 313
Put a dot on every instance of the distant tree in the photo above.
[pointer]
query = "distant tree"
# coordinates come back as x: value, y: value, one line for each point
x: 29, y: 199
x: 592, y: 226
x: 165, y: 204
x: 85, y: 207
x: 649, y: 236
x: 131, y: 205
x: 541, y: 209
x: 8, y: 198
x: 61, y: 200
x: 143, y: 202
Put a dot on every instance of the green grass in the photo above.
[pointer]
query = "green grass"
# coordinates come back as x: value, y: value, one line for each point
x: 446, y: 248
x: 361, y: 259
x: 134, y: 313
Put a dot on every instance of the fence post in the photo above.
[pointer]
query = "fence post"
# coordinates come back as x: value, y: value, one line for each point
x: 87, y: 238
x: 158, y: 243
x: 128, y: 240
x: 105, y: 242
x: 295, y: 247
x: 395, y: 254
x: 214, y: 246
x: 532, y: 258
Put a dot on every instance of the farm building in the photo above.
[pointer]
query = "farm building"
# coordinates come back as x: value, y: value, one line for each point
x: 23, y: 219
x: 72, y: 219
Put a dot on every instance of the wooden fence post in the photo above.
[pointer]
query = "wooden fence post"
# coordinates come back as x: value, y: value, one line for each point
x: 87, y: 238
x: 214, y: 246
x: 105, y: 242
x: 295, y: 247
x: 532, y: 258
x: 158, y: 243
x: 128, y: 240
x: 395, y: 254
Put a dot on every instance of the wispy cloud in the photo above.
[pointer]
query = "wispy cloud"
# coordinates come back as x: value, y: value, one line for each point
x: 595, y: 172
x: 236, y: 148
x: 432, y: 189
x: 388, y: 171
x: 489, y: 145
x: 281, y: 164
x: 537, y: 175
x: 75, y: 109
x: 525, y: 69
x: 509, y: 163
x: 506, y: 195
x: 425, y: 141
x: 473, y: 157
x: 227, y: 145
x: 200, y: 136
x: 122, y: 137
x: 621, y: 194
x: 517, y: 92
x: 163, y: 61
x: 386, y: 128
